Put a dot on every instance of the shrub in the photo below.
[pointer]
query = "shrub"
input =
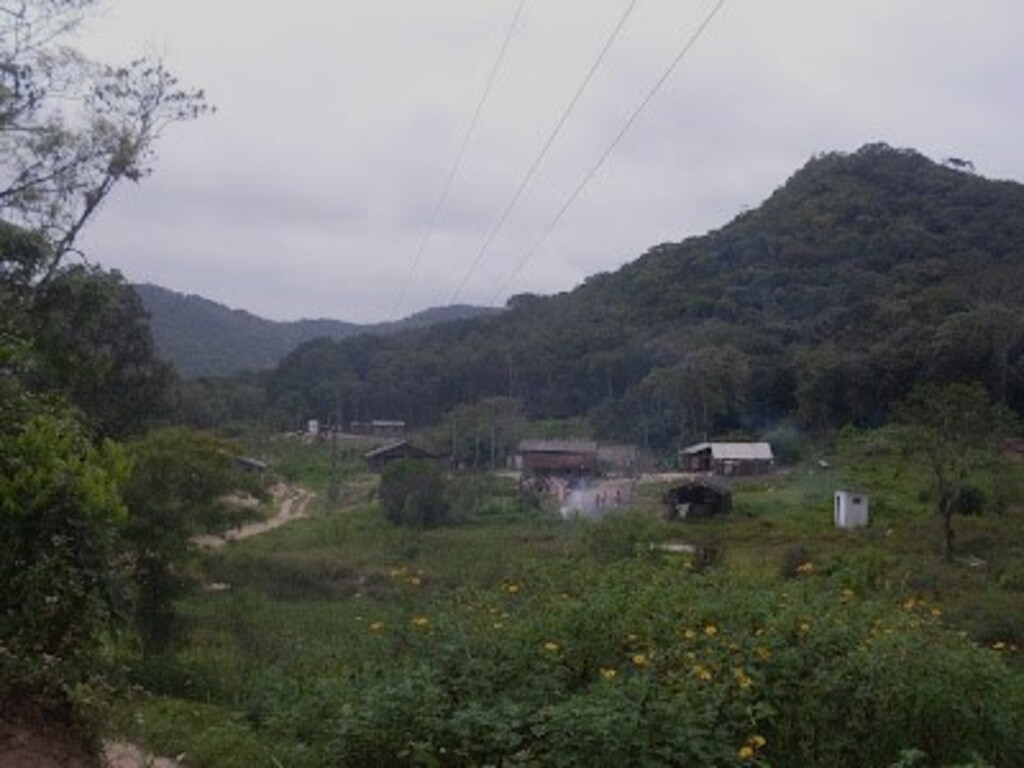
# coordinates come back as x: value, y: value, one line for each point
x: 795, y: 561
x: 63, y: 588
x: 412, y: 492
x: 633, y: 663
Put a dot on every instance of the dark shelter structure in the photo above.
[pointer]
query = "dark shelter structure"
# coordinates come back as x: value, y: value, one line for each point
x: 697, y: 500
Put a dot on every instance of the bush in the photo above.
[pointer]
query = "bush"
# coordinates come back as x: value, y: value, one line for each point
x: 796, y: 560
x: 413, y: 492
x: 633, y: 663
x: 63, y: 584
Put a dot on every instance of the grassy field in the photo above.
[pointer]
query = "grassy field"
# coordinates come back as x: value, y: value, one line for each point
x: 514, y: 638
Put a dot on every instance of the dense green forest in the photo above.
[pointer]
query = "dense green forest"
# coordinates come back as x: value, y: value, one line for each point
x: 863, y: 275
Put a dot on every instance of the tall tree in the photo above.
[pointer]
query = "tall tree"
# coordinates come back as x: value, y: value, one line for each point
x: 955, y: 429
x: 175, y: 490
x: 71, y: 129
x: 93, y: 343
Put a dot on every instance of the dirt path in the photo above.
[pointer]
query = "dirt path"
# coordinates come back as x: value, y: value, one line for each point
x: 123, y: 755
x: 292, y: 506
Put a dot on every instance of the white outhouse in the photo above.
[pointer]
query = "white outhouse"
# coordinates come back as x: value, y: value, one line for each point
x: 851, y: 509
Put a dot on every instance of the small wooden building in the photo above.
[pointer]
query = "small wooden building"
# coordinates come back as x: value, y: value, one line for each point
x: 378, y: 428
x: 727, y: 458
x: 379, y: 458
x: 851, y: 509
x: 557, y: 457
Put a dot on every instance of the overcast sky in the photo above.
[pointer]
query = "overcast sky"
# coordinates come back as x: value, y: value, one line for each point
x: 310, y: 190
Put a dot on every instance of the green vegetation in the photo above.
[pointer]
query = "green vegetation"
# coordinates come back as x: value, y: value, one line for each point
x: 875, y: 298
x: 412, y: 492
x: 176, y: 490
x: 76, y: 362
x: 956, y: 430
x: 347, y: 641
x: 59, y: 514
x: 863, y: 276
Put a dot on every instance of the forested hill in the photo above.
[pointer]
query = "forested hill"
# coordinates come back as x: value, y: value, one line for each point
x: 862, y: 275
x: 200, y: 337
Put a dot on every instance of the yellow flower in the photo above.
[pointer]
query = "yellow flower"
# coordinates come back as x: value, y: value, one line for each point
x: 511, y: 588
x: 847, y: 594
x: 744, y: 680
x: 640, y: 659
x: 608, y: 673
x: 550, y: 646
x: 746, y: 752
x: 377, y: 626
x: 420, y: 621
x: 805, y: 568
x: 757, y: 740
x: 689, y: 634
x: 710, y: 630
x: 415, y: 581
x: 702, y: 672
x: 936, y: 612
x: 805, y: 627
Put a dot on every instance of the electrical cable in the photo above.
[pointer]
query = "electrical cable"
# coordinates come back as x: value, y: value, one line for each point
x: 690, y: 42
x: 458, y: 159
x: 543, y: 152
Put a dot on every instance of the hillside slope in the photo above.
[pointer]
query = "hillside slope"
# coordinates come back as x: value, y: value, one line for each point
x: 200, y: 337
x: 862, y: 275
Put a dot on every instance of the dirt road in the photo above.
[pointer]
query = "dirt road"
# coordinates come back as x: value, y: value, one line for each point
x: 292, y: 503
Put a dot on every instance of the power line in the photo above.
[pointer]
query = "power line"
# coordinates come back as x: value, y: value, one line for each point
x: 543, y: 152
x: 601, y: 160
x: 458, y: 158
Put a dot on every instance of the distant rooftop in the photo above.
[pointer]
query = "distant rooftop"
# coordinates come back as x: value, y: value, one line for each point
x: 733, y: 451
x: 557, y: 446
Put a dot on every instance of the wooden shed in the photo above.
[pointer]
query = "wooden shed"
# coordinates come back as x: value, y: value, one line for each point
x: 557, y: 457
x: 378, y: 458
x: 727, y: 458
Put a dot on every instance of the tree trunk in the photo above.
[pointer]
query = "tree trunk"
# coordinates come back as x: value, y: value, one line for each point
x: 946, y: 510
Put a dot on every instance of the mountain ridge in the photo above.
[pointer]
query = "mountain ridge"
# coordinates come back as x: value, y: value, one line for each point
x: 201, y: 337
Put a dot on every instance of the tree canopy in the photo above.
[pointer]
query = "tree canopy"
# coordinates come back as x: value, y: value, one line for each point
x: 864, y: 275
x: 71, y: 129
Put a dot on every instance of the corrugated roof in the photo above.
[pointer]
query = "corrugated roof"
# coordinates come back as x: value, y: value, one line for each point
x: 734, y: 451
x: 558, y: 446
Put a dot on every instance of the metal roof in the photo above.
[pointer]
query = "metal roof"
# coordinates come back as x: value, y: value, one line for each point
x: 733, y: 451
x: 558, y: 446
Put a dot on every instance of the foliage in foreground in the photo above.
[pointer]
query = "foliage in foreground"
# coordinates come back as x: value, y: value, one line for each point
x: 580, y: 662
x: 60, y: 510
